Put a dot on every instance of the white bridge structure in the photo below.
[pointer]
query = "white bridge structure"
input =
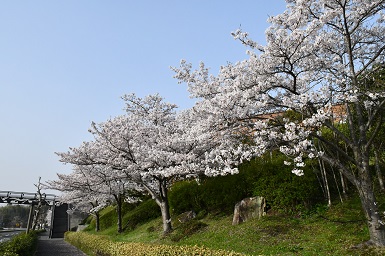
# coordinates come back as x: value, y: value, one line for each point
x: 60, y: 220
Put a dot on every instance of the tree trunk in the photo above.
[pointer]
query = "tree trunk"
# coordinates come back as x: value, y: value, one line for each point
x: 97, y: 216
x: 338, y: 187
x: 370, y: 207
x: 119, y: 202
x: 161, y: 199
x: 36, y: 215
x: 343, y: 184
x: 325, y: 180
x: 166, y: 217
x: 378, y: 171
x: 369, y: 204
x: 164, y: 206
x: 97, y: 219
x: 363, y: 184
x: 38, y: 207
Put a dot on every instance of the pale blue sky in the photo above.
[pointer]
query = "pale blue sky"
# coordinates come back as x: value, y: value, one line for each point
x: 66, y: 63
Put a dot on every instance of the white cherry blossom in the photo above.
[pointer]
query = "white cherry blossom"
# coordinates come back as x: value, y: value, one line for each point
x: 312, y: 74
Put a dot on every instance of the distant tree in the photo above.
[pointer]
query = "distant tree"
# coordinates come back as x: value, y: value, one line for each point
x: 89, y: 203
x: 38, y: 210
x: 316, y: 53
x: 12, y: 214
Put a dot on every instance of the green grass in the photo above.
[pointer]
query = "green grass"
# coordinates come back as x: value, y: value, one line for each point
x: 334, y: 231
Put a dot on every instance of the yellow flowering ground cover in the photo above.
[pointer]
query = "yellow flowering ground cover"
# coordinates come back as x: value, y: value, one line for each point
x: 100, y: 245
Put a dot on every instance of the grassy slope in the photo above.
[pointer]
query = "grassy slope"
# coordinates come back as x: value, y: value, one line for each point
x: 333, y: 232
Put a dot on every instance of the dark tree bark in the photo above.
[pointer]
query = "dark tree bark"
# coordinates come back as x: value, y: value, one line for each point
x: 370, y: 207
x: 362, y: 180
x: 119, y: 202
x: 97, y: 221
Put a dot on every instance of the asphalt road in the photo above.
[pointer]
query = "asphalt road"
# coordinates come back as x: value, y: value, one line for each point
x: 6, y: 235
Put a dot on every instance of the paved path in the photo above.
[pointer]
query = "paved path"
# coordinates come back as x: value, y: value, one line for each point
x: 56, y: 247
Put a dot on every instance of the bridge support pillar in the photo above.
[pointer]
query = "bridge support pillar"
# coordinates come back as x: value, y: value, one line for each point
x: 30, y: 216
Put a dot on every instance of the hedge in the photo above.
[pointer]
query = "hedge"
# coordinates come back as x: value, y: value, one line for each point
x: 101, y: 245
x: 20, y: 245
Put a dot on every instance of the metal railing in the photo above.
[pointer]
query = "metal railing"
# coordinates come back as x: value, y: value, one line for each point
x: 12, y: 197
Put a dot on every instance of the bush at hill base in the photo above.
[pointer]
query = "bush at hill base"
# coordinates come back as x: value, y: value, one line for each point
x: 266, y: 176
x: 99, y: 245
x: 284, y: 191
x: 213, y: 194
x: 133, y: 215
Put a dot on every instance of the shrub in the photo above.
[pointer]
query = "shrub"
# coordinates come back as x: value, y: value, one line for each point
x: 213, y: 194
x: 144, y: 212
x: 108, y: 217
x: 22, y: 245
x: 284, y: 191
x: 220, y: 194
x: 185, y: 196
x: 187, y: 229
x: 99, y: 245
x: 265, y: 176
x: 87, y: 220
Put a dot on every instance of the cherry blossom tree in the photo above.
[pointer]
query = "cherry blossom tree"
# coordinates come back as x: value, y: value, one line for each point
x: 150, y: 147
x: 92, y: 186
x: 90, y: 203
x: 318, y: 60
x: 80, y: 194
